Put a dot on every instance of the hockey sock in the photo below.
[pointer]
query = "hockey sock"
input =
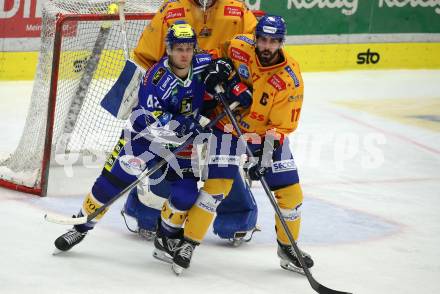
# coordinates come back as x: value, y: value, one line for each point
x: 289, y: 200
x: 202, y: 213
x: 89, y: 206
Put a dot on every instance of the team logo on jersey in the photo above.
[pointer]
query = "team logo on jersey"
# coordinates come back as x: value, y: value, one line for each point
x: 175, y: 13
x: 277, y: 82
x: 132, y: 165
x: 239, y: 55
x: 232, y: 11
x: 158, y: 75
x: 186, y: 106
x: 293, y: 75
x: 205, y: 32
x: 245, y: 39
x: 243, y: 71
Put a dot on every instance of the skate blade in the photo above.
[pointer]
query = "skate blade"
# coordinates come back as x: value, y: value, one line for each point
x: 147, y: 235
x: 290, y: 267
x: 236, y: 242
x: 162, y: 256
x: 177, y: 269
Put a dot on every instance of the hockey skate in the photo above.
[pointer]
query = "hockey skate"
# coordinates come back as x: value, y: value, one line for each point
x: 289, y: 260
x: 133, y: 226
x: 67, y: 240
x: 165, y: 247
x: 243, y: 237
x: 182, y: 256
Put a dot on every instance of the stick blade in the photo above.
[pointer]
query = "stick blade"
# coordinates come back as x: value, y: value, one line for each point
x: 324, y: 290
x: 63, y: 220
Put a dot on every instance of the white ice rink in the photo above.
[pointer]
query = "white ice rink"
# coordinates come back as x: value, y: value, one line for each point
x: 368, y: 153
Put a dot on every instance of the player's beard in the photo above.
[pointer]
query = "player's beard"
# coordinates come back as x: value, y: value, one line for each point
x: 266, y: 57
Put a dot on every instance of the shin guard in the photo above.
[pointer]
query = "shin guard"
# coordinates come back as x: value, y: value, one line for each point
x: 200, y: 216
x: 289, y: 200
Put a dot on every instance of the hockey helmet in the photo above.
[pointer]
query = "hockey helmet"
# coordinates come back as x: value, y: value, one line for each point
x: 180, y: 32
x: 272, y: 26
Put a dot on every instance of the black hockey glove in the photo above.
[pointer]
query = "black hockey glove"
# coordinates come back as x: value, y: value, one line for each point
x: 216, y: 73
x: 264, y: 153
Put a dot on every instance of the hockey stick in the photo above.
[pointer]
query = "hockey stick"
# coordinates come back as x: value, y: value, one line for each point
x: 315, y: 285
x: 63, y: 220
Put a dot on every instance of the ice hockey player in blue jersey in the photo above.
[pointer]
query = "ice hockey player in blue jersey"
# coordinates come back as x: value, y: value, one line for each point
x: 237, y: 215
x: 168, y: 111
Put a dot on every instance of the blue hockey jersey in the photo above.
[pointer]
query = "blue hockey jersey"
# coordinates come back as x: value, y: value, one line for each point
x: 163, y: 95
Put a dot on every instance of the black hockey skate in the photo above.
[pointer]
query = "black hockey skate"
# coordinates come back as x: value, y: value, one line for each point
x: 165, y: 247
x: 67, y: 240
x: 182, y: 256
x: 289, y: 260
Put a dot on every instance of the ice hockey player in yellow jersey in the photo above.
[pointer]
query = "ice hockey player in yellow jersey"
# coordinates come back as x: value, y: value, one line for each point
x: 269, y: 86
x: 215, y: 22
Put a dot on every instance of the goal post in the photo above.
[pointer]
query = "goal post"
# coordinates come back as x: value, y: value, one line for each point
x: 81, y: 55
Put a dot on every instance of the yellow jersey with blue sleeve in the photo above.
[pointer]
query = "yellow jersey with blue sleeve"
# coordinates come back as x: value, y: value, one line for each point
x: 277, y: 90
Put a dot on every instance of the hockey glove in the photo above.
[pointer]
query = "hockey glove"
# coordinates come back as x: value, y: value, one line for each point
x: 187, y: 125
x: 241, y: 93
x: 216, y: 73
x: 264, y: 152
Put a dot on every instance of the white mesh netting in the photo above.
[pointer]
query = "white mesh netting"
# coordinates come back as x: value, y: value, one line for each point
x: 91, y: 58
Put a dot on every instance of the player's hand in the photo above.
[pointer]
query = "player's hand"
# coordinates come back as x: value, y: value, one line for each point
x: 187, y: 125
x: 216, y: 73
x: 255, y: 172
x: 269, y: 144
x: 241, y: 93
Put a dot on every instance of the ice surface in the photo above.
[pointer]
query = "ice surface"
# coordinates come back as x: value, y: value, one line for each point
x: 370, y: 170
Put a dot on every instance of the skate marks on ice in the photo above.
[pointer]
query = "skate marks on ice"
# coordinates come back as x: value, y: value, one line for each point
x: 323, y: 222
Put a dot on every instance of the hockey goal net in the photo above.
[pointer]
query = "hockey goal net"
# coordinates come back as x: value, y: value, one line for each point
x: 81, y: 55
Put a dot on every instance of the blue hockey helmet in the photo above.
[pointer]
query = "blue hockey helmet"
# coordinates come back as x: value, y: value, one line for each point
x: 180, y: 32
x: 271, y: 26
